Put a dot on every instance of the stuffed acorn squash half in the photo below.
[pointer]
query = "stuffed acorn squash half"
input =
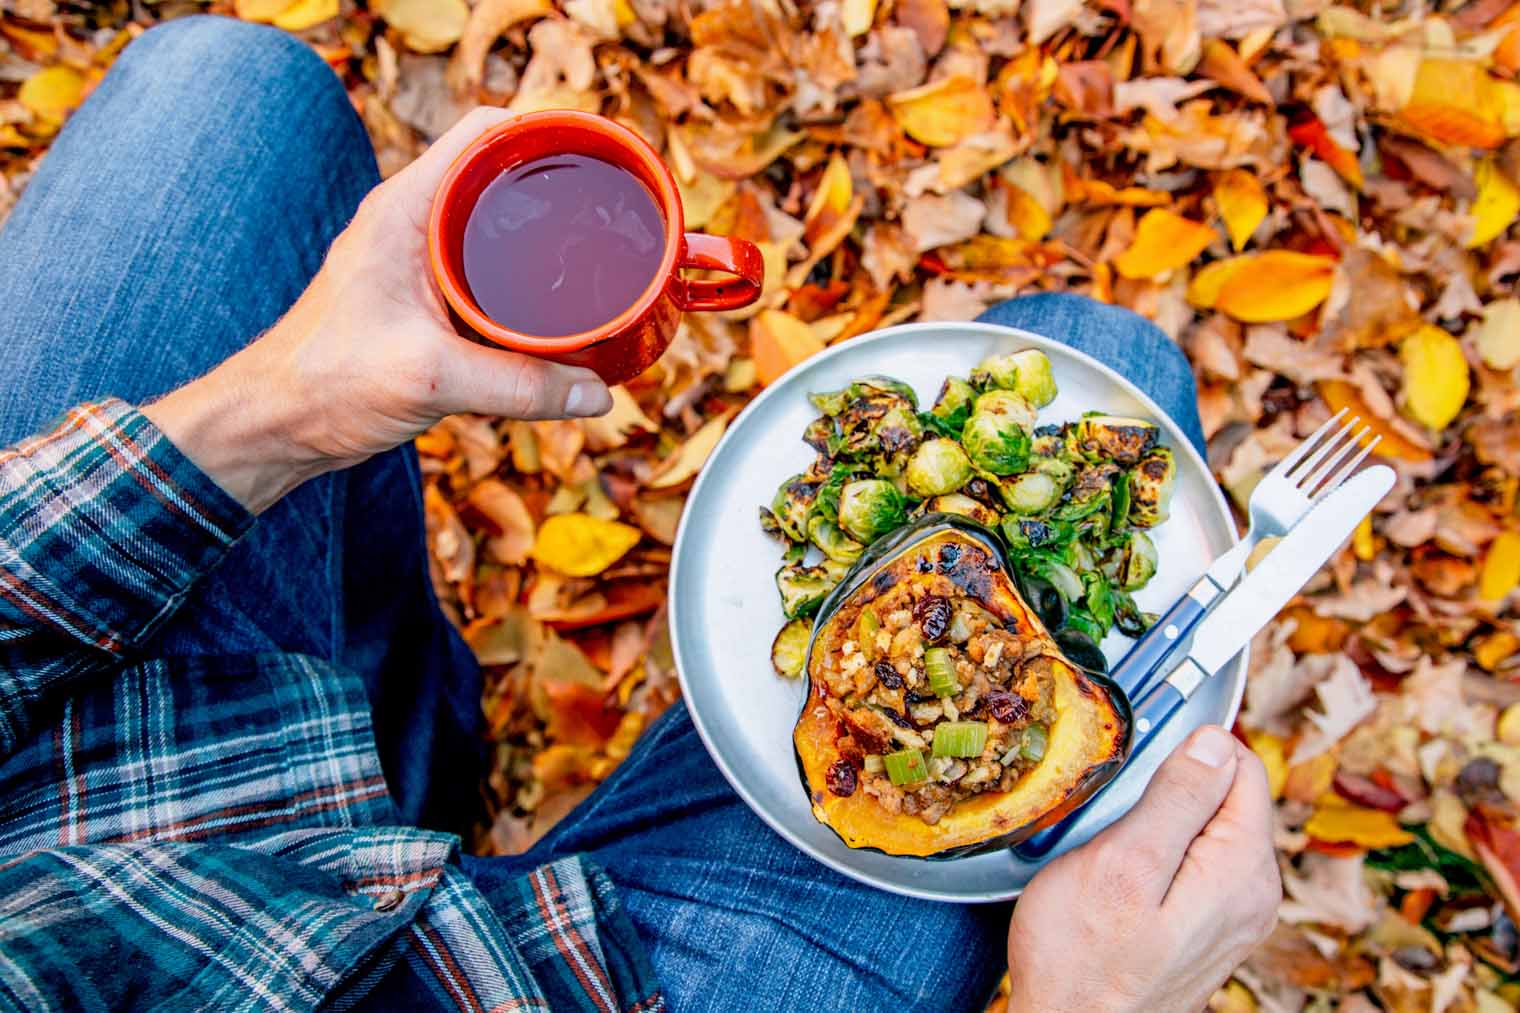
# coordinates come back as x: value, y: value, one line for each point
x: 941, y: 717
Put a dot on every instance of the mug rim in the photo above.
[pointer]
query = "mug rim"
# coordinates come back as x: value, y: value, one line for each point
x: 456, y: 292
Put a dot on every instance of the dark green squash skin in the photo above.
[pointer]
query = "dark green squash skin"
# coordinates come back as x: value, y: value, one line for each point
x: 975, y: 585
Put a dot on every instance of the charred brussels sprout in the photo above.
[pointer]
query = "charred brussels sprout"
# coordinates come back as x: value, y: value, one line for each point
x: 1030, y: 493
x: 1150, y: 488
x: 1115, y: 438
x: 938, y: 467
x: 1128, y: 617
x: 953, y: 406
x: 880, y: 428
x: 1139, y: 562
x: 965, y: 506
x: 1090, y: 493
x: 794, y: 500
x: 1027, y: 372
x: 832, y: 541
x: 869, y: 508
x: 996, y: 436
x: 803, y: 588
x: 870, y: 387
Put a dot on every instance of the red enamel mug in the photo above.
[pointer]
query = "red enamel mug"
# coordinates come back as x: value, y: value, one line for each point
x: 627, y: 344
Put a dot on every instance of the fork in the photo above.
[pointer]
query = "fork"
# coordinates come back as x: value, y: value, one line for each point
x: 1277, y: 503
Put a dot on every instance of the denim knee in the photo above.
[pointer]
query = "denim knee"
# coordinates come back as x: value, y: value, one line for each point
x: 1064, y: 305
x: 187, y: 66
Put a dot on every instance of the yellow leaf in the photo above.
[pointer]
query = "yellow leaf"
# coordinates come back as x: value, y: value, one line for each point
x: 1309, y: 780
x: 1362, y: 542
x: 426, y: 26
x: 1242, y: 204
x: 830, y: 202
x: 1027, y: 215
x: 1501, y: 567
x: 1456, y: 102
x: 579, y: 545
x: 688, y: 460
x: 1263, y: 287
x: 1508, y: 728
x: 1497, y: 338
x: 857, y: 16
x: 1435, y: 376
x: 1164, y: 241
x: 1337, y: 822
x: 52, y: 93
x: 1490, y: 652
x: 778, y: 341
x: 1495, y: 207
x: 306, y: 14
x: 261, y: 10
x: 1272, y: 752
x: 10, y: 137
x: 944, y: 112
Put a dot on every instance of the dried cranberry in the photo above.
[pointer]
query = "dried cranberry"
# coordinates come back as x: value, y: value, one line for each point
x: 932, y: 613
x: 949, y: 555
x: 887, y: 675
x: 925, y: 564
x: 1007, y: 707
x: 900, y: 720
x: 842, y: 779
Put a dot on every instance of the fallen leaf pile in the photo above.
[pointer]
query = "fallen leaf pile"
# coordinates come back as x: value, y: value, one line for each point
x: 1316, y: 200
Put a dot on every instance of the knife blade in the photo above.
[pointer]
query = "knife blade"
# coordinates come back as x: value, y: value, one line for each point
x: 1243, y: 612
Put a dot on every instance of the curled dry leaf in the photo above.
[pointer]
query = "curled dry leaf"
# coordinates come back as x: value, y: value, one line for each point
x: 488, y: 20
x: 686, y: 461
x: 944, y: 112
x: 507, y: 517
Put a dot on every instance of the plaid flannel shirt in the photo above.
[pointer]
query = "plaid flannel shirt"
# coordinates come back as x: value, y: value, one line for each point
x: 216, y: 832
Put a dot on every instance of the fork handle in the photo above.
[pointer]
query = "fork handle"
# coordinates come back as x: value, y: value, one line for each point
x: 1143, y: 665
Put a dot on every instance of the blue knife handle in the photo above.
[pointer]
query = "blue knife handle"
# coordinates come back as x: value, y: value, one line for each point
x: 1143, y: 665
x: 1153, y: 712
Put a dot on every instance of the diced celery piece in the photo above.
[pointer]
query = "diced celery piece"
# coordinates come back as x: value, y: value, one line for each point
x: 906, y: 767
x: 1033, y: 747
x: 960, y: 738
x: 941, y: 671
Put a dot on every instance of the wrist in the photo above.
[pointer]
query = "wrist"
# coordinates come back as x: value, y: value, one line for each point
x: 240, y: 424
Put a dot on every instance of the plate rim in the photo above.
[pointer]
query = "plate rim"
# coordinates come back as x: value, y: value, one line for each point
x: 991, y: 330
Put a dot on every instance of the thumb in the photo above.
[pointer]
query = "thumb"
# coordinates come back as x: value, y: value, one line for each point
x: 1180, y: 801
x: 490, y: 381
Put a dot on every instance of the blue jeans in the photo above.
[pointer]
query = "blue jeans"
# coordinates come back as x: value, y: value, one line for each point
x: 180, y: 212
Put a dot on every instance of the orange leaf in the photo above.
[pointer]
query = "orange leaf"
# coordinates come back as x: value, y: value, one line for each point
x: 1498, y: 846
x: 1311, y: 133
x: 578, y: 714
x: 1341, y: 394
x: 1164, y: 241
x: 621, y: 599
x: 1262, y: 287
x: 778, y: 341
x: 830, y: 202
x: 944, y: 112
x: 1456, y: 102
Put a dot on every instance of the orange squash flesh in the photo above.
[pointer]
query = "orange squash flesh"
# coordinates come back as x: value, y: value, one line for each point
x: 1086, y: 745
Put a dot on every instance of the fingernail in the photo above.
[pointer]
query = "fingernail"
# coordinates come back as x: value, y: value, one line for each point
x: 1211, y: 747
x: 587, y: 398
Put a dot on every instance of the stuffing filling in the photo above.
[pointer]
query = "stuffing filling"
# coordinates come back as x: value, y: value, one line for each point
x: 935, y: 700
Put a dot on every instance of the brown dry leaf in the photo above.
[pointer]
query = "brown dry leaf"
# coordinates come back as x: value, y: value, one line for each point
x: 450, y: 541
x: 933, y: 220
x: 944, y: 112
x: 426, y: 26
x: 561, y: 71
x: 927, y: 19
x: 488, y: 20
x: 1164, y: 241
x: 610, y: 431
x: 507, y: 517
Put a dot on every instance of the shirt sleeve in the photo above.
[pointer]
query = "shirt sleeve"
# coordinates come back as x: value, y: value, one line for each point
x: 104, y: 528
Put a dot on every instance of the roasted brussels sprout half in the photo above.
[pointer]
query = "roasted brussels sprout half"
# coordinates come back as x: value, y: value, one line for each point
x: 832, y: 541
x: 1128, y: 617
x: 793, y: 502
x: 1115, y: 438
x: 996, y: 436
x: 803, y: 588
x: 1030, y: 493
x: 1058, y: 468
x: 1139, y: 562
x: 953, y: 406
x: 1150, y: 488
x: 1026, y: 372
x: 869, y: 508
x: 937, y: 467
x: 789, y: 649
x: 964, y: 506
x: 819, y: 435
x: 1090, y: 493
x: 868, y: 387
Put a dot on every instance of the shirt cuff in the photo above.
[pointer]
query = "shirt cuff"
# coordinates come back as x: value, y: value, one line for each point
x: 106, y: 525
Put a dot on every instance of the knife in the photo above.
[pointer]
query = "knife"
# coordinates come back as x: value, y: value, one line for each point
x: 1259, y: 596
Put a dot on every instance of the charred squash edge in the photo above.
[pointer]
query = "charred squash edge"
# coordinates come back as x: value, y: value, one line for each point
x: 982, y: 823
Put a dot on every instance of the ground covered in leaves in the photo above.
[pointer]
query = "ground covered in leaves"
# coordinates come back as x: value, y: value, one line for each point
x: 1316, y: 200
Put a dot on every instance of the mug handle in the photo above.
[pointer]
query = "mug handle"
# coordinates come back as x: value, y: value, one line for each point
x: 719, y: 253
